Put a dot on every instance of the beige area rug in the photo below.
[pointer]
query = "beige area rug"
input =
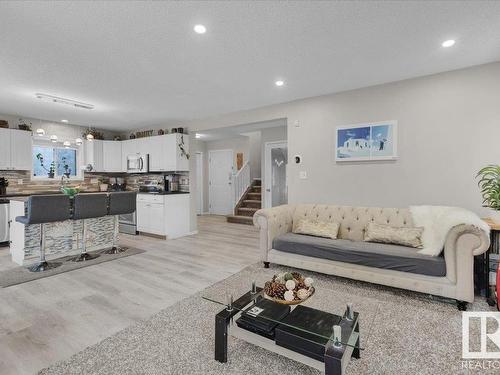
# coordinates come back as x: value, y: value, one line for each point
x: 401, y: 333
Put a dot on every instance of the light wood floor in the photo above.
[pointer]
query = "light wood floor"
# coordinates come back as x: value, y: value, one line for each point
x: 50, y: 319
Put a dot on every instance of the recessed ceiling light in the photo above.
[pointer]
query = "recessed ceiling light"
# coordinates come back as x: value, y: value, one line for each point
x: 197, y: 135
x: 200, y: 29
x: 448, y: 43
x: 279, y: 83
x: 64, y: 120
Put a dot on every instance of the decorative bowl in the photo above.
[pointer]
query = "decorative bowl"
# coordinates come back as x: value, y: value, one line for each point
x: 289, y: 288
x: 71, y: 191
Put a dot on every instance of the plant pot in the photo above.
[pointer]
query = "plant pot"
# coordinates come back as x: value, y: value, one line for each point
x: 495, y: 216
x: 103, y: 187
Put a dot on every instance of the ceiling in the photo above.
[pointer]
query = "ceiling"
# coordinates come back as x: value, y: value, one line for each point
x: 141, y: 64
x: 238, y: 131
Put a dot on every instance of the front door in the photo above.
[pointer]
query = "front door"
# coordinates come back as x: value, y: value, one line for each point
x: 220, y: 174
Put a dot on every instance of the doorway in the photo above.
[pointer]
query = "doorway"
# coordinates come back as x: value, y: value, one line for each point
x: 276, y: 176
x: 220, y: 175
x: 199, y: 183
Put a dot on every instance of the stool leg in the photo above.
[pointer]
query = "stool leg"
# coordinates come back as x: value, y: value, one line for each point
x: 42, y: 265
x: 84, y: 255
x: 115, y: 249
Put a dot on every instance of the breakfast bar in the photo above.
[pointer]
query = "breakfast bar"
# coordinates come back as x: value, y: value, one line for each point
x: 62, y: 238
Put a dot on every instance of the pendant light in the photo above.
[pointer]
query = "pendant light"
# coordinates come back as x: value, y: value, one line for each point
x: 90, y: 137
x: 78, y: 141
x: 66, y: 144
x: 40, y: 132
x: 53, y: 138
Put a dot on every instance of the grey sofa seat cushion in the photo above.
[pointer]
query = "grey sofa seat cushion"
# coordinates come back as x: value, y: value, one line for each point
x: 393, y: 257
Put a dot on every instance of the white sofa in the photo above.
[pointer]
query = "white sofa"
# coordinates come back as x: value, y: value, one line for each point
x: 463, y: 242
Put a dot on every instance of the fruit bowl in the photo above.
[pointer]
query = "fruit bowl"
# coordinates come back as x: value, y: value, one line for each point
x: 290, y: 288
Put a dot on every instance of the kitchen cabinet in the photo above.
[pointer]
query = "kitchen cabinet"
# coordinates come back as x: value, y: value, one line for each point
x: 165, y: 154
x: 94, y: 155
x: 165, y: 215
x: 15, y: 149
x: 112, y: 156
x: 150, y: 214
x: 21, y: 149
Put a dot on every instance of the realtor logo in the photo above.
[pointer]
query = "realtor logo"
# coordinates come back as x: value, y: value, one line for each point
x: 483, y: 328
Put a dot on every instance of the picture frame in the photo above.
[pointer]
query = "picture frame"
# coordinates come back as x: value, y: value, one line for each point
x: 371, y: 141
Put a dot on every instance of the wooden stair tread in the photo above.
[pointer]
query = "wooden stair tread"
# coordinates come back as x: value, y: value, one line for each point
x: 252, y: 201
x: 248, y: 209
x: 239, y: 219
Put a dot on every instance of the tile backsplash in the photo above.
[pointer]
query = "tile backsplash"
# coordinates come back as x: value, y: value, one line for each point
x: 20, y: 181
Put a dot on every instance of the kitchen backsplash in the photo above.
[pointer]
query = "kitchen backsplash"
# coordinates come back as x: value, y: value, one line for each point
x: 133, y: 181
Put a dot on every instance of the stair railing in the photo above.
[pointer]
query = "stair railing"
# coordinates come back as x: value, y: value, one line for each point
x: 241, y: 182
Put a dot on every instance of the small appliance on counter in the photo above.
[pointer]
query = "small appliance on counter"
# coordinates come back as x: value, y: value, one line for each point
x: 3, y: 185
x: 151, y: 186
x: 117, y: 184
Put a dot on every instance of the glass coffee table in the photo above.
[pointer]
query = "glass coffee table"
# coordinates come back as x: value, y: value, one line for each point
x: 310, y: 336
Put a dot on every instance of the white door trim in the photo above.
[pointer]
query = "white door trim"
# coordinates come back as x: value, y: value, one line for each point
x: 267, y: 170
x: 199, y: 182
x: 210, y: 195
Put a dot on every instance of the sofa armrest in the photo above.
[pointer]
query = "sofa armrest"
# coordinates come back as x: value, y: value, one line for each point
x: 272, y: 222
x: 463, y: 242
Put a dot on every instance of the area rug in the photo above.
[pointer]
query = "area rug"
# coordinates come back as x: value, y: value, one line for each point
x: 401, y: 333
x: 20, y: 275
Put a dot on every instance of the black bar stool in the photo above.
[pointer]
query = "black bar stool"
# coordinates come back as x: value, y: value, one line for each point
x: 88, y: 206
x: 120, y: 203
x: 42, y: 209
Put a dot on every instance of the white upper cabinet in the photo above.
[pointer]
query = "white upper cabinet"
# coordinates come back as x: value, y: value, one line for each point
x: 5, y: 149
x: 94, y: 155
x: 21, y: 149
x: 112, y: 156
x: 15, y: 149
x: 165, y: 154
x: 127, y: 149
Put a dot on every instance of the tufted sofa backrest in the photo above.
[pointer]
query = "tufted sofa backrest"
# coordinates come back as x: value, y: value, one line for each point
x: 353, y: 220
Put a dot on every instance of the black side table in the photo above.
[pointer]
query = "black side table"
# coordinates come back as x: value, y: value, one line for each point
x: 494, y: 248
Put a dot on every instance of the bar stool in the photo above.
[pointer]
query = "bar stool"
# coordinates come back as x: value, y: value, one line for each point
x: 88, y: 206
x: 42, y: 209
x: 120, y: 203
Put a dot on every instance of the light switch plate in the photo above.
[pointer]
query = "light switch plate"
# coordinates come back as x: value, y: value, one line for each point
x: 303, y: 175
x: 296, y: 123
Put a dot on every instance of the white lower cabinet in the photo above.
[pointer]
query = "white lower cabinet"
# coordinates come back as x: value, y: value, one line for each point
x: 164, y: 215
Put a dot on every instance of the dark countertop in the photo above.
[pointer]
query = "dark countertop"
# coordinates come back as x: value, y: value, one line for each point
x: 17, y: 195
x: 164, y: 192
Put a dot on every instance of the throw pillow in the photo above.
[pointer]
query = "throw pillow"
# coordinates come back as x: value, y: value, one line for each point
x: 316, y: 228
x: 411, y: 237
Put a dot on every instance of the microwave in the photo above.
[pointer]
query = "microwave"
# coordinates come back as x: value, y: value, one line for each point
x: 138, y: 163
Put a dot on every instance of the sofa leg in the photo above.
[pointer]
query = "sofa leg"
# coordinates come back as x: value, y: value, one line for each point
x: 266, y: 264
x: 462, y: 305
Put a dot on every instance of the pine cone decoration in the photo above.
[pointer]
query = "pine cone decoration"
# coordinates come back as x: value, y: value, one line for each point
x: 275, y: 290
x: 297, y: 276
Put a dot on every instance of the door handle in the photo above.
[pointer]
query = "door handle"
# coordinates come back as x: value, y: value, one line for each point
x: 268, y: 190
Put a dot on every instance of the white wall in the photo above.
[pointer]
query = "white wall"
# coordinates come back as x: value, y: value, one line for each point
x: 254, y: 139
x: 449, y: 127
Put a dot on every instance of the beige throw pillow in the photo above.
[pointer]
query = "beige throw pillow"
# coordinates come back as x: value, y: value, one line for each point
x: 396, y: 235
x: 316, y: 228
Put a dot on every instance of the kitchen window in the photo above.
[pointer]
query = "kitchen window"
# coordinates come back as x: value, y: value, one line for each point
x: 53, y: 162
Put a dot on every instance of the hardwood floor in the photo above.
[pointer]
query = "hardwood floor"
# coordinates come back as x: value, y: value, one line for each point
x: 47, y: 320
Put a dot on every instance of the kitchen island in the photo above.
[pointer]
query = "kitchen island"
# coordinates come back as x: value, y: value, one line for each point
x: 62, y: 238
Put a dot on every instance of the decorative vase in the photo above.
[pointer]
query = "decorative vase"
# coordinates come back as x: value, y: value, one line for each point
x: 495, y: 216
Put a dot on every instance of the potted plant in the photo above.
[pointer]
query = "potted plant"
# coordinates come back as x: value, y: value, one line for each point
x: 3, y: 185
x: 67, y: 169
x: 24, y: 125
x: 489, y: 183
x: 51, y: 170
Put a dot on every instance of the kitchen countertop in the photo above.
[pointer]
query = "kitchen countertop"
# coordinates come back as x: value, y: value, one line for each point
x: 164, y: 192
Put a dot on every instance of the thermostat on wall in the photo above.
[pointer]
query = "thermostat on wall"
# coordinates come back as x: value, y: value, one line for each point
x: 298, y: 159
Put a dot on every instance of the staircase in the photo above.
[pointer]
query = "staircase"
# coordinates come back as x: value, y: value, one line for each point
x: 248, y: 205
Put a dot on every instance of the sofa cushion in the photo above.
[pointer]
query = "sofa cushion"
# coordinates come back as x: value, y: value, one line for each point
x: 411, y: 237
x: 316, y: 228
x: 393, y: 257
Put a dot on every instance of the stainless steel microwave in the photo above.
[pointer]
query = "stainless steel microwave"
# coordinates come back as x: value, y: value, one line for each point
x: 138, y: 163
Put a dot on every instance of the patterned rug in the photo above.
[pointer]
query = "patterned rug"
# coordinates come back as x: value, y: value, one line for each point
x: 20, y: 275
x: 401, y: 332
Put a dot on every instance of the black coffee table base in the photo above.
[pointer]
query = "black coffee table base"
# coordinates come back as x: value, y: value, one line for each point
x: 336, y: 358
